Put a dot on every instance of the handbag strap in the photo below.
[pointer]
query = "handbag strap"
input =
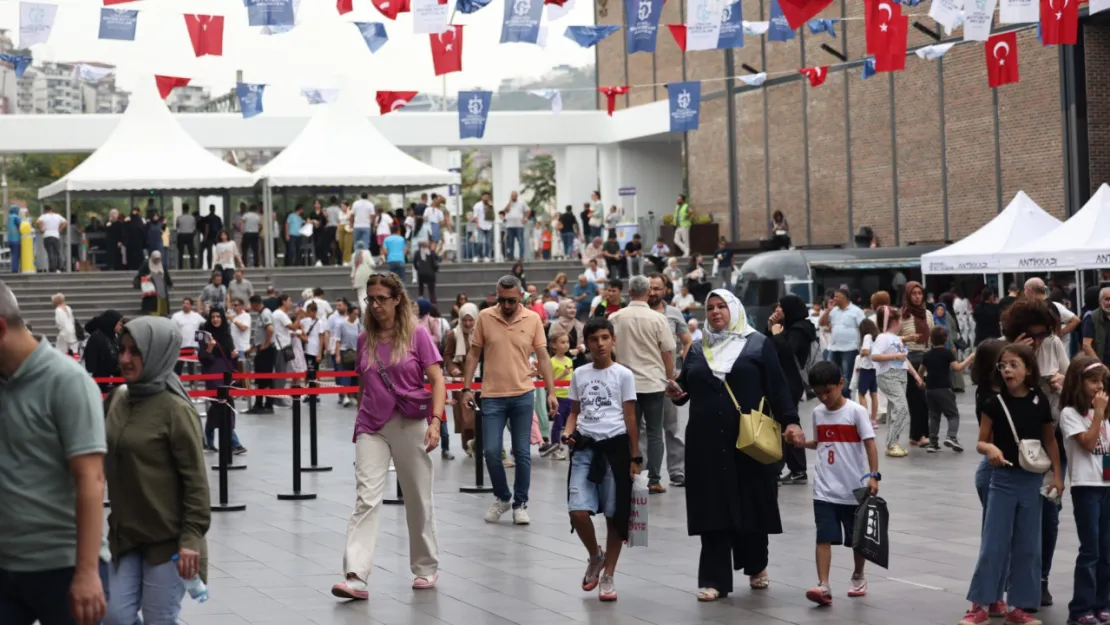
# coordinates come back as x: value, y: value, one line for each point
x: 383, y: 374
x: 1009, y: 419
x: 728, y: 388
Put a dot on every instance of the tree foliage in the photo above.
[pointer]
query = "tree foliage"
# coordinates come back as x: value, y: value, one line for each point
x: 538, y: 181
x: 476, y: 173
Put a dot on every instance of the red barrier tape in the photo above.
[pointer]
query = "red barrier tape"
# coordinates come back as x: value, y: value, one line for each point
x: 297, y: 391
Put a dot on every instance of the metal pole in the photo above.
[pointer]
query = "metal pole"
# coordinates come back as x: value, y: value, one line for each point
x: 479, y: 466
x: 296, y: 495
x: 69, y: 236
x: 313, y: 400
x: 399, y: 500
x: 268, y: 224
x: 222, y: 412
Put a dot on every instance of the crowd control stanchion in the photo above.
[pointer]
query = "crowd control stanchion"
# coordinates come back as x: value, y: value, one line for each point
x: 296, y: 495
x: 399, y: 500
x: 479, y: 457
x: 222, y: 411
x: 313, y: 401
x: 223, y: 407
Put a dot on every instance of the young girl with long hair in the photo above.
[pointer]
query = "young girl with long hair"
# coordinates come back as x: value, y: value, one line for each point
x: 562, y: 368
x: 1010, y: 548
x: 889, y: 355
x: 1087, y: 443
x: 982, y: 376
x: 867, y: 386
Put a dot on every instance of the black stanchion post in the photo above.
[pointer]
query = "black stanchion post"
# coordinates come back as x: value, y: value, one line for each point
x: 313, y: 402
x: 479, y: 457
x: 399, y: 500
x: 296, y: 495
x: 222, y: 411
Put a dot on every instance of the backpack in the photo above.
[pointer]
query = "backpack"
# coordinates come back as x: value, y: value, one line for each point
x: 813, y: 358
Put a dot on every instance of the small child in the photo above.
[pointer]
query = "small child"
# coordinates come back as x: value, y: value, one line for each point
x: 867, y: 387
x: 846, y: 456
x: 938, y: 365
x: 889, y: 355
x: 562, y: 368
x: 603, y: 397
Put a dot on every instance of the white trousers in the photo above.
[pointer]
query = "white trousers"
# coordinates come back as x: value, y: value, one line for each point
x: 402, y: 441
x: 682, y: 240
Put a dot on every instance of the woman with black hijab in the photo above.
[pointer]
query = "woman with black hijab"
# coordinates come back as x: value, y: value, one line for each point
x: 134, y: 239
x: 102, y: 349
x: 794, y: 336
x: 115, y: 235
x: 217, y: 354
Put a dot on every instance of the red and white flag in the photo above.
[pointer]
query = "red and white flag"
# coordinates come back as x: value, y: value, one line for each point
x: 611, y: 94
x: 206, y: 32
x: 447, y: 50
x: 890, y: 43
x: 877, y: 17
x: 166, y: 84
x: 1002, y: 59
x: 344, y: 6
x: 109, y: 3
x: 391, y: 8
x: 816, y: 75
x: 798, y: 12
x: 1059, y: 22
x: 389, y: 101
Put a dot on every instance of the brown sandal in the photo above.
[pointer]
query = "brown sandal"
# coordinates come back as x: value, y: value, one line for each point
x: 760, y: 582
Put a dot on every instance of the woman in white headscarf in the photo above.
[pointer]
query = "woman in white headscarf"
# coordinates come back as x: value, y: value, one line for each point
x: 454, y: 356
x: 731, y: 499
x: 362, y: 265
x: 154, y: 282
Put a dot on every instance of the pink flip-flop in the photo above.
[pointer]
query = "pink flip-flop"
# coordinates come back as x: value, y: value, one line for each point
x: 424, y: 583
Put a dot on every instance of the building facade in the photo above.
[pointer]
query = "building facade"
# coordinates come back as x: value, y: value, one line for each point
x: 927, y: 154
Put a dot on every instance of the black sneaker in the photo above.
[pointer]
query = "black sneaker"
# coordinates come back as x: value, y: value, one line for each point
x: 547, y: 448
x: 239, y: 451
x: 1046, y: 596
x: 953, y: 444
x: 210, y: 448
x: 932, y: 447
x: 795, y: 479
x: 678, y: 481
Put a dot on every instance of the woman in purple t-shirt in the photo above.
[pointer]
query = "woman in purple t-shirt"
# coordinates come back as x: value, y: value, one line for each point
x: 397, y: 420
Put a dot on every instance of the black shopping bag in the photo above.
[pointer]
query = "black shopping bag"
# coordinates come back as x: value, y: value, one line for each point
x: 870, y: 534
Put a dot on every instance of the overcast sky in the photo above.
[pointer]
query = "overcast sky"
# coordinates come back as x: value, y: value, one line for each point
x: 323, y: 51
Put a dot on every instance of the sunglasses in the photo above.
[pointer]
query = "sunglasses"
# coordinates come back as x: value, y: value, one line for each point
x: 512, y: 301
x: 378, y: 299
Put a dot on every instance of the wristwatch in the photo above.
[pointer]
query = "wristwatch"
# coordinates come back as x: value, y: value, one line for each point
x: 638, y: 459
x: 878, y: 476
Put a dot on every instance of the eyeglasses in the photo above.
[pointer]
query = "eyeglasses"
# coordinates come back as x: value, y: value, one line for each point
x: 1004, y: 366
x: 378, y: 299
x: 511, y: 301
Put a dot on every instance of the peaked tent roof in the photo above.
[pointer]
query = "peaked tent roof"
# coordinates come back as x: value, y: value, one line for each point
x: 1079, y: 243
x: 1019, y: 224
x: 149, y: 150
x: 340, y: 147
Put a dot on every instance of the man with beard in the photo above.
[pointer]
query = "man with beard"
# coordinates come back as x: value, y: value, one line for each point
x: 1094, y: 328
x: 676, y: 447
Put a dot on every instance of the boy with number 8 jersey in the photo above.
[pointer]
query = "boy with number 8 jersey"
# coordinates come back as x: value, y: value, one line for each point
x: 846, y: 458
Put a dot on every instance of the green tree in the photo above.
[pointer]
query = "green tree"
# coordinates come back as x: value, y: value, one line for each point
x: 538, y: 180
x: 475, y: 173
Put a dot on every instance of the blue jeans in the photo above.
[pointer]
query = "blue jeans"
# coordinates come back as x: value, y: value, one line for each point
x: 399, y: 269
x: 516, y: 412
x: 26, y: 597
x: 514, y: 235
x: 362, y: 237
x: 847, y: 363
x: 444, y: 436
x: 1091, y: 588
x: 155, y: 590
x: 484, y: 248
x: 1012, y: 527
x: 13, y: 248
x: 435, y: 231
x: 568, y: 242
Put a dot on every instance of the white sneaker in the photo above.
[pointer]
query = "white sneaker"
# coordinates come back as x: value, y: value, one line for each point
x: 520, y: 516
x: 560, y: 453
x: 493, y: 515
x: 489, y: 260
x: 476, y: 259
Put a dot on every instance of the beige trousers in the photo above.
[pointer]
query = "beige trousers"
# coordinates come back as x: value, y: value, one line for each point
x: 401, y: 440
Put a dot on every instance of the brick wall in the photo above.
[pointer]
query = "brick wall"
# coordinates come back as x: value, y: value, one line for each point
x: 1097, y: 50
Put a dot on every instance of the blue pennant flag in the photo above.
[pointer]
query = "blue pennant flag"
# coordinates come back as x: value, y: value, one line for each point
x: 522, y: 21
x: 732, y: 27
x: 868, y: 68
x: 473, y: 111
x: 19, y: 63
x: 270, y: 12
x: 250, y: 98
x: 641, y: 24
x: 471, y: 6
x: 910, y: 3
x: 118, y: 24
x: 590, y: 36
x: 779, y: 30
x: 373, y: 33
x: 816, y: 27
x: 685, y: 100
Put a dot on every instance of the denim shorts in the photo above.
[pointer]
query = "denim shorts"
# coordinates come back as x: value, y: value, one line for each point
x: 867, y: 382
x: 834, y: 522
x: 582, y: 494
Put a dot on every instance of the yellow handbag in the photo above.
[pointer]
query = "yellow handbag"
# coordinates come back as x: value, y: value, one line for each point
x: 760, y: 436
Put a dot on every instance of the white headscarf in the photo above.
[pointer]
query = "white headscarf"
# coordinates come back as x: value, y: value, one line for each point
x: 722, y: 348
x: 461, y: 344
x: 155, y: 263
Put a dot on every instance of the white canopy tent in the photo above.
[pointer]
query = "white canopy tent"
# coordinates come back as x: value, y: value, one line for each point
x: 1019, y: 224
x: 1080, y: 243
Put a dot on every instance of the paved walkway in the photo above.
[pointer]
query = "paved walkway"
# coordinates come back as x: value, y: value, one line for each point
x: 275, y: 562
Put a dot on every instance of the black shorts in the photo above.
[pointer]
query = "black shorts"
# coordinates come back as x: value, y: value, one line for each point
x: 868, y: 382
x: 834, y: 522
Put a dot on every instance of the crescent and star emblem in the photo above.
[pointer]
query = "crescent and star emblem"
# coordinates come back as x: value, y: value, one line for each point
x: 885, y: 7
x: 1001, y: 45
x: 443, y: 40
x: 398, y: 104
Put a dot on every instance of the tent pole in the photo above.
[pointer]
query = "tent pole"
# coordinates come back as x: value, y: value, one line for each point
x: 69, y: 235
x: 268, y: 221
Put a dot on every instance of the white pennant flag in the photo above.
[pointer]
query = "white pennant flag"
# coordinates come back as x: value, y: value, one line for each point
x: 1019, y: 11
x: 91, y: 73
x: 947, y: 13
x: 755, y: 29
x: 429, y: 17
x: 553, y: 95
x: 935, y: 51
x: 320, y: 96
x: 754, y: 80
x: 1098, y: 5
x: 703, y: 24
x: 978, y: 19
x: 555, y: 11
x: 36, y: 21
x: 541, y: 37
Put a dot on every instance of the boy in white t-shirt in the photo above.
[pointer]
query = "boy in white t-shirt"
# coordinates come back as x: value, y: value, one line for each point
x: 846, y: 456
x: 602, y: 434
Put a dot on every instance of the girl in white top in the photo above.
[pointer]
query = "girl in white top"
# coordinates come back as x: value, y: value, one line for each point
x: 67, y: 342
x: 889, y: 355
x: 866, y: 382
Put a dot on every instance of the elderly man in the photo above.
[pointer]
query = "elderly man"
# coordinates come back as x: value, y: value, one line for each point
x: 583, y: 294
x: 1035, y: 289
x: 646, y: 346
x: 1094, y: 328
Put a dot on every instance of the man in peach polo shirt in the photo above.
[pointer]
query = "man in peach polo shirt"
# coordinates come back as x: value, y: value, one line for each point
x: 505, y: 337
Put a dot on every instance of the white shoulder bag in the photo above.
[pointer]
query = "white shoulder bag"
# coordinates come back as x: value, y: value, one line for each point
x: 1031, y: 454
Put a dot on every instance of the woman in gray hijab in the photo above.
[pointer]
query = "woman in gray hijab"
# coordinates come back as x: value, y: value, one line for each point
x: 156, y: 480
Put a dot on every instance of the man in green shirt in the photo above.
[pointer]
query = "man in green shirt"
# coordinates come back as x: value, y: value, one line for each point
x: 683, y: 219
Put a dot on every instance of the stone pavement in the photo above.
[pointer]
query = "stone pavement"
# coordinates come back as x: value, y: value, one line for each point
x: 275, y: 562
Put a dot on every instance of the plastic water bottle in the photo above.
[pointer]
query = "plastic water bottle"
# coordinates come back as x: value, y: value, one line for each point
x: 195, y: 586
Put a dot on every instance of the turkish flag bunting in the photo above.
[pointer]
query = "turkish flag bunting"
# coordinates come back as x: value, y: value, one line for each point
x: 207, y: 34
x: 555, y: 2
x: 1059, y: 22
x: 344, y: 6
x: 109, y: 3
x: 798, y: 12
x: 1002, y: 59
x: 816, y: 75
x: 389, y: 101
x: 390, y: 8
x: 890, y: 44
x: 447, y: 50
x: 678, y: 31
x: 611, y: 94
x: 878, y: 15
x: 166, y: 84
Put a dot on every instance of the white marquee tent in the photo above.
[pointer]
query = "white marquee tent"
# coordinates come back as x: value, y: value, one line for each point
x: 1080, y: 243
x: 1019, y: 224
